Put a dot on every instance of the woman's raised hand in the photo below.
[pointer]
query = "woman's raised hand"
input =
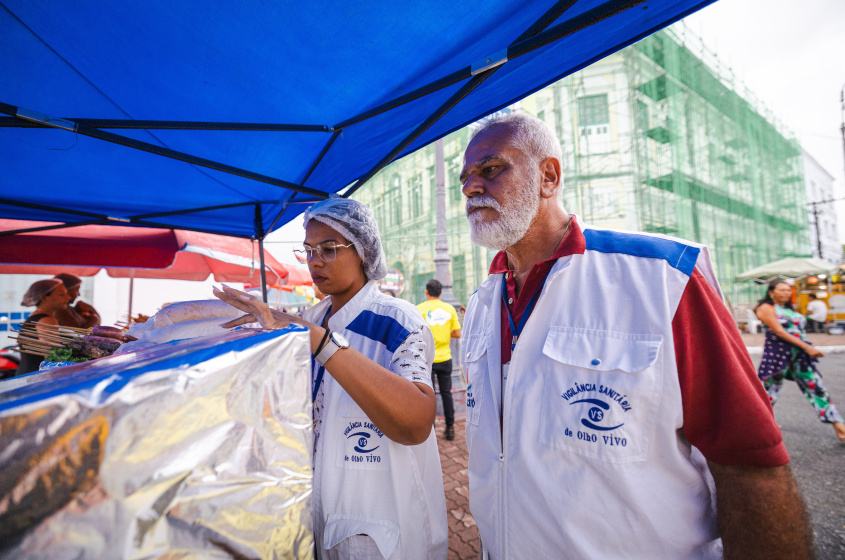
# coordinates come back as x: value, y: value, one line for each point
x: 814, y: 352
x: 256, y: 310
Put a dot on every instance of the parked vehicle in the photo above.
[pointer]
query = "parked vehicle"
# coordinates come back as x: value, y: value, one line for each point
x: 10, y: 358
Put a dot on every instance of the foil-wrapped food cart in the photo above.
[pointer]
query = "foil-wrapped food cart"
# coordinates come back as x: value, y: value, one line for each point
x: 195, y: 448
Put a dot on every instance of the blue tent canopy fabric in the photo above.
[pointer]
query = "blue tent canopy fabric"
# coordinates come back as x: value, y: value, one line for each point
x: 256, y: 109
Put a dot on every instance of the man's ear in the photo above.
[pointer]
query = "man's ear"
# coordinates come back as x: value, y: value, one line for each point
x: 549, y: 177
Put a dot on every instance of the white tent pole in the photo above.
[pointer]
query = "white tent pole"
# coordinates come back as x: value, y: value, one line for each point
x: 131, y: 289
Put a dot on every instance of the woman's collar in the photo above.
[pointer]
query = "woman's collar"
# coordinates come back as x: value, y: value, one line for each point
x: 359, y: 302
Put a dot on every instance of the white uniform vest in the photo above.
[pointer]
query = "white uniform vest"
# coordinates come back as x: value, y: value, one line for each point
x: 365, y: 483
x: 591, y: 461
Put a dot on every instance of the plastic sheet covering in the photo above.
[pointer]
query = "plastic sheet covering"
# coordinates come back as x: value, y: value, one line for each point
x: 191, y: 449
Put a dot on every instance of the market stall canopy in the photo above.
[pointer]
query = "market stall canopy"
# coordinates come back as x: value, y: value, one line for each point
x: 298, y: 276
x: 133, y: 252
x: 791, y: 267
x: 228, y: 117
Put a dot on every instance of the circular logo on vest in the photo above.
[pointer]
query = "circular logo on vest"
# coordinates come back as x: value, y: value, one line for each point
x: 363, y: 442
x: 595, y: 414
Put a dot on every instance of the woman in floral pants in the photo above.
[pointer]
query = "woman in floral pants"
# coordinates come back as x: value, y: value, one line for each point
x: 788, y: 355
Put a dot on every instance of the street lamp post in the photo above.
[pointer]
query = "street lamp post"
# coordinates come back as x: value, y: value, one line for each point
x: 441, y: 242
x: 842, y: 119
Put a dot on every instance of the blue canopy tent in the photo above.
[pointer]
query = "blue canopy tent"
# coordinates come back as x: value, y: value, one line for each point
x: 228, y: 117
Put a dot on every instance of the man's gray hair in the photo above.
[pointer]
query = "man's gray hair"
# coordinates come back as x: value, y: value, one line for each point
x: 531, y: 135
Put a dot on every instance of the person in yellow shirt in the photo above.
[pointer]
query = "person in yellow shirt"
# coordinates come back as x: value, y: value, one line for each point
x: 442, y: 319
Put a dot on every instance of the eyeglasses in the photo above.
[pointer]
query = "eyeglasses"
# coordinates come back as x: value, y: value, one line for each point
x: 327, y: 251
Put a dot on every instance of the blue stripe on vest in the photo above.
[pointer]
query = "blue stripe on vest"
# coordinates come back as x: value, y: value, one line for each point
x: 380, y: 328
x: 680, y: 256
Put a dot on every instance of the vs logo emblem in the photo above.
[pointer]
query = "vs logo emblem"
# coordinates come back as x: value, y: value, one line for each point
x: 363, y: 442
x: 595, y: 414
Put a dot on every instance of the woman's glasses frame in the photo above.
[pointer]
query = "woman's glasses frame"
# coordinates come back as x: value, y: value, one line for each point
x: 327, y: 251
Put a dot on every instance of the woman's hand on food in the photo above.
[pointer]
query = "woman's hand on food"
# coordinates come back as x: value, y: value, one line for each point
x: 256, y: 310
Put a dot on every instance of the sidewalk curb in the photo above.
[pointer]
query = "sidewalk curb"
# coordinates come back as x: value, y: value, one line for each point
x: 754, y: 350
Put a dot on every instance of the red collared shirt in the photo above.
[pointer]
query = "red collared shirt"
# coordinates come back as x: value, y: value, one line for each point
x: 572, y: 244
x: 719, y: 386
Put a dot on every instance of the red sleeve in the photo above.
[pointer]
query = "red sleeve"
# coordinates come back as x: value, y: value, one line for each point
x: 727, y: 414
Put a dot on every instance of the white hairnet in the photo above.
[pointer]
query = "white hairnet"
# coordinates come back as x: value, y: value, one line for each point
x: 356, y: 222
x: 38, y: 290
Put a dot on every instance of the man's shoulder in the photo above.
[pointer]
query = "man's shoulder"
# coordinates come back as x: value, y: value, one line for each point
x: 678, y: 253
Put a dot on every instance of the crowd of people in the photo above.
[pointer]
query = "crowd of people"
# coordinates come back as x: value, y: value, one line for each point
x: 608, y: 389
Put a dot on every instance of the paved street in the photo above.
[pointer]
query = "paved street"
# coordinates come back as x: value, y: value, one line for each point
x: 818, y: 461
x: 463, y: 534
x: 817, y: 456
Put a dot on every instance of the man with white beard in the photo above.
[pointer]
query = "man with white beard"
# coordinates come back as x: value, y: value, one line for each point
x: 612, y: 409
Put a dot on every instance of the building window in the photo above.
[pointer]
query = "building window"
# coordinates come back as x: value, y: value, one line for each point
x: 593, y: 110
x: 459, y: 277
x: 453, y: 182
x: 417, y: 196
x: 395, y: 205
x: 642, y: 114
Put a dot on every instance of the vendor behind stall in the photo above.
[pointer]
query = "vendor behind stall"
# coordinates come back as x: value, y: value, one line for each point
x: 49, y: 297
x: 81, y: 315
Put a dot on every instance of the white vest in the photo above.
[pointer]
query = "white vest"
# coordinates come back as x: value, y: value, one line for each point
x: 364, y: 482
x: 591, y: 461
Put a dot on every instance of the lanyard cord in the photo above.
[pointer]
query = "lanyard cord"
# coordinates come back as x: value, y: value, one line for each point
x: 517, y: 329
x: 321, y: 370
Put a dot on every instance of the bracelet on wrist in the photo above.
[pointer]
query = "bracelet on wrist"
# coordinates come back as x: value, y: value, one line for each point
x: 322, y: 342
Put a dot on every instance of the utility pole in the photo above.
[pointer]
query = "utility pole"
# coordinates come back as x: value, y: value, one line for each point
x: 841, y: 126
x: 441, y: 242
x: 842, y: 113
x: 818, y: 233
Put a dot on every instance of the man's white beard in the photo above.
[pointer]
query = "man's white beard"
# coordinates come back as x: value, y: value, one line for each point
x: 510, y: 225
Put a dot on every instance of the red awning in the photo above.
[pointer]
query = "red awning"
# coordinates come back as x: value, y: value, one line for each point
x: 133, y: 252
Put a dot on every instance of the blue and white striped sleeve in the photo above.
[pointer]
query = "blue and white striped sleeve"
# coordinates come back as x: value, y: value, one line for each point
x: 411, y: 359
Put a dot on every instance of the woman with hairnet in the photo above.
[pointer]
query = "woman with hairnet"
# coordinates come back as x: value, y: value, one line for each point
x: 378, y: 487
x: 49, y: 297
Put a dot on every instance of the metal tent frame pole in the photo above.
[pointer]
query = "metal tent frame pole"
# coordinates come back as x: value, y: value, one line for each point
x: 259, y: 234
x: 85, y: 130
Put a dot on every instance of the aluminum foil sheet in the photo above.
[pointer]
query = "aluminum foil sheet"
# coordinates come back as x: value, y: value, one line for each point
x: 192, y: 449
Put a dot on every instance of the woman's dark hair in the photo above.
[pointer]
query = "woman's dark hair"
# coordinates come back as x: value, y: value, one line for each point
x: 768, y: 297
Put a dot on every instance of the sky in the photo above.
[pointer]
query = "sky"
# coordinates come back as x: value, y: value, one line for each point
x: 791, y: 54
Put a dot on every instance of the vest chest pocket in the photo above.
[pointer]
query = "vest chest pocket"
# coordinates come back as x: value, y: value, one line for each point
x: 363, y: 445
x: 474, y: 371
x: 601, y: 393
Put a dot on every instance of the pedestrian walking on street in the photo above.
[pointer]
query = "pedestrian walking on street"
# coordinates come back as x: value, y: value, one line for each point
x: 787, y: 354
x: 442, y: 319
x: 816, y: 314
